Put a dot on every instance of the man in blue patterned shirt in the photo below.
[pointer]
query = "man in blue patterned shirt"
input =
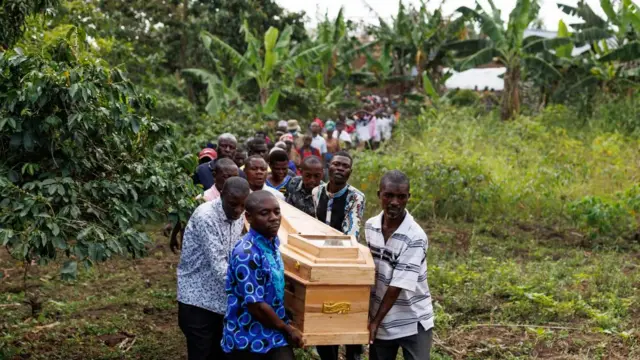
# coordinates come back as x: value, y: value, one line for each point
x: 256, y: 326
x: 212, y: 231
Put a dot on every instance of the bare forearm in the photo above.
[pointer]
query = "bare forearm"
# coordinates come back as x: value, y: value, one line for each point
x: 267, y: 317
x: 388, y: 300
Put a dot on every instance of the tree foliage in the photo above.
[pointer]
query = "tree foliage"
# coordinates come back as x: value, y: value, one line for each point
x: 13, y: 15
x: 83, y: 164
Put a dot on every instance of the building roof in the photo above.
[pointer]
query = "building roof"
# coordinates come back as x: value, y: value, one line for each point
x: 477, y: 78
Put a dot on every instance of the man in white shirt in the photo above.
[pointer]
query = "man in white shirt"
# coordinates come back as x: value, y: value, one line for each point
x: 318, y: 141
x: 210, y: 235
x: 256, y: 169
x: 401, y: 313
x: 342, y: 135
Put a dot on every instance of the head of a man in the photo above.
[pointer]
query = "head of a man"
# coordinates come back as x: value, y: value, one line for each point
x: 257, y: 146
x: 234, y: 195
x: 394, y: 193
x: 239, y: 157
x: 340, y: 168
x: 315, y: 128
x: 307, y: 140
x: 312, y: 172
x: 279, y: 163
x: 224, y: 169
x: 256, y: 170
x: 227, y: 145
x: 263, y: 213
x: 342, y: 117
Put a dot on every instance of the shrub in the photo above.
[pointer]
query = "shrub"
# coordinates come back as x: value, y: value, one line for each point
x: 600, y: 217
x: 82, y: 163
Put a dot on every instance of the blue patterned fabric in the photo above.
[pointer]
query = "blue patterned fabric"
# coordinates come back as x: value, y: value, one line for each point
x: 255, y: 274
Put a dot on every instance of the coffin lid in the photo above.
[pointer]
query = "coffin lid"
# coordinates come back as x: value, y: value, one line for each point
x: 317, y: 254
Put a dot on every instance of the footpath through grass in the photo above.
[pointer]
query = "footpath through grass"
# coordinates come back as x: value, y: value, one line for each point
x: 528, y: 257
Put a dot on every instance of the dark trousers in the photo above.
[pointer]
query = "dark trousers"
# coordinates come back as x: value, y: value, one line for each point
x: 281, y: 353
x: 203, y: 330
x: 415, y: 347
x: 330, y: 352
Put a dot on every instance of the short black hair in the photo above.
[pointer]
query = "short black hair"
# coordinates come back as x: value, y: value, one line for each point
x: 254, y: 143
x: 248, y: 160
x: 278, y: 155
x: 395, y: 177
x: 224, y: 162
x: 310, y: 160
x: 235, y: 186
x: 256, y: 198
x: 345, y: 154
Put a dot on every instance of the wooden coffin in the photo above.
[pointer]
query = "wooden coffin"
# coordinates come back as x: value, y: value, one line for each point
x: 328, y: 280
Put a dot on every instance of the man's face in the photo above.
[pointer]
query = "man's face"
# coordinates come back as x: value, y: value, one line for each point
x: 312, y: 175
x: 256, y: 171
x: 239, y: 158
x: 261, y: 150
x: 226, y: 149
x: 221, y: 175
x: 233, y: 205
x: 339, y: 170
x: 394, y: 199
x: 307, y: 141
x: 279, y: 170
x: 289, y: 145
x: 315, y: 128
x: 265, y: 219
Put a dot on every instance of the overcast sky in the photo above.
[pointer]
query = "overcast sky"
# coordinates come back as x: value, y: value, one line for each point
x: 358, y: 10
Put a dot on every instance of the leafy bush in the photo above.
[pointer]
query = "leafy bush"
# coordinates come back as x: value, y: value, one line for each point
x: 464, y: 98
x: 82, y: 162
x: 531, y: 170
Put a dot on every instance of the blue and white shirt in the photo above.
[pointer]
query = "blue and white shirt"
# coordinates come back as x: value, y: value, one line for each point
x: 256, y: 274
x: 400, y: 262
x: 207, y: 242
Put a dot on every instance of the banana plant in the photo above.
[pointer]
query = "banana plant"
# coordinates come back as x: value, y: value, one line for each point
x: 620, y: 29
x: 417, y: 37
x: 505, y: 44
x: 262, y: 64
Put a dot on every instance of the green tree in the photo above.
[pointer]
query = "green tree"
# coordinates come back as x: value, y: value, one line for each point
x: 506, y: 45
x: 13, y: 15
x: 620, y: 29
x: 82, y: 163
x: 262, y: 64
x: 417, y: 38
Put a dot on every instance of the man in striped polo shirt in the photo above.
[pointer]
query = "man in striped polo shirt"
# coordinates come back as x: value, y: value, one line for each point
x: 401, y: 314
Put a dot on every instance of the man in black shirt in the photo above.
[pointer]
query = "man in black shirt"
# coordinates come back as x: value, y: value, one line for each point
x: 341, y: 206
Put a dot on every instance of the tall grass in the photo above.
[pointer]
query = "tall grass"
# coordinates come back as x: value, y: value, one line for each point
x: 543, y: 169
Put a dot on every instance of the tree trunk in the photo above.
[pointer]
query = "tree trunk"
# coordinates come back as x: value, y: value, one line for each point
x: 264, y: 95
x: 511, y: 93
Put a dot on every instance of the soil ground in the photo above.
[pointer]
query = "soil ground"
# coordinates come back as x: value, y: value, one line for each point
x: 126, y: 309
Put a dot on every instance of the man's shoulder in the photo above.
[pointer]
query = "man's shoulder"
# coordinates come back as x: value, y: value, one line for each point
x: 205, y: 166
x: 414, y: 230
x: 294, y: 182
x: 374, y: 221
x: 355, y: 192
x: 205, y: 210
x: 244, y: 246
x: 316, y: 190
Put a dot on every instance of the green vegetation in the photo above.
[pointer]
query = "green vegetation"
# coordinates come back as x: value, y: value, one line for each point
x: 533, y: 223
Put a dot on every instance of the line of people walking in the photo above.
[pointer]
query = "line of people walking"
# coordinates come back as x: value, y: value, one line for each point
x: 231, y: 286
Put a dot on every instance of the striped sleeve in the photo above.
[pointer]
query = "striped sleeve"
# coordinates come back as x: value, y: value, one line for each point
x: 407, y: 269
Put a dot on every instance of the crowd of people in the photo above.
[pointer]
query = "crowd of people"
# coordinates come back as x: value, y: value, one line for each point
x: 231, y: 286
